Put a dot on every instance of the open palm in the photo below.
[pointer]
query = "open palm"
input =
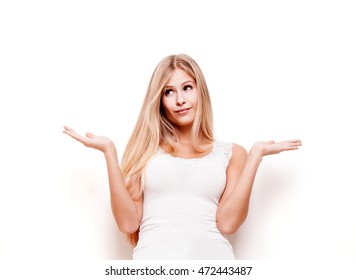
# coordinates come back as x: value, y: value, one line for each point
x: 271, y: 147
x: 90, y: 140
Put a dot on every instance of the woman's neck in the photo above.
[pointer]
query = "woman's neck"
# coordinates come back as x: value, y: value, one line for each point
x: 185, y: 136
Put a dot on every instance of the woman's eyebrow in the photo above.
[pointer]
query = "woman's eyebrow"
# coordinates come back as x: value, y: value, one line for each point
x: 188, y: 81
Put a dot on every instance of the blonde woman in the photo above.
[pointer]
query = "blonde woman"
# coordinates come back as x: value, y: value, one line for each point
x: 179, y: 191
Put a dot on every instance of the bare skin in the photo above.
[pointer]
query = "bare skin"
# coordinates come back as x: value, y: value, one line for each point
x: 179, y: 102
x: 181, y: 93
x: 127, y: 212
x: 234, y: 203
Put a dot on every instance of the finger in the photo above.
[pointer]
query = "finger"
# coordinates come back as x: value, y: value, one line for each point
x: 295, y: 144
x: 299, y: 143
x: 90, y: 135
x: 296, y: 141
x: 67, y: 129
x: 291, y: 142
x: 290, y: 147
x: 74, y: 134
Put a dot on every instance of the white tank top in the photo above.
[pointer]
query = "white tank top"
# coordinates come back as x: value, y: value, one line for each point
x: 181, y: 197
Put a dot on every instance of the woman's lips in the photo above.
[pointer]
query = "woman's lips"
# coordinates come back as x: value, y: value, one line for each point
x: 182, y: 111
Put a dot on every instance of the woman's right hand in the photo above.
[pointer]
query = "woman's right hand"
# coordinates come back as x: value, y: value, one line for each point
x: 90, y: 140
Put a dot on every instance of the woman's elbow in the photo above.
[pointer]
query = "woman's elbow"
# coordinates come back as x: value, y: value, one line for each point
x: 128, y: 228
x: 229, y: 227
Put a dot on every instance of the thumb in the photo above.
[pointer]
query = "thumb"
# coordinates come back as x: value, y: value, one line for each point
x: 90, y: 135
x: 271, y: 142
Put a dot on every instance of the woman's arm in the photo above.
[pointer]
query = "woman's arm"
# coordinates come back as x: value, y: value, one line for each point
x: 234, y: 203
x: 127, y: 212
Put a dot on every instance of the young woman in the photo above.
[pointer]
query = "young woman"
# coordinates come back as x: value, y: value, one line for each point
x: 179, y: 191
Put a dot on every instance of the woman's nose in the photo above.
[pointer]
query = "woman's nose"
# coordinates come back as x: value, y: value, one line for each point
x: 180, y: 100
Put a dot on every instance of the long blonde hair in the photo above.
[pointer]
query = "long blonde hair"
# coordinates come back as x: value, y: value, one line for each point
x: 153, y: 128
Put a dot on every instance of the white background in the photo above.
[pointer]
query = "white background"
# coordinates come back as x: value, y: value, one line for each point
x: 275, y: 69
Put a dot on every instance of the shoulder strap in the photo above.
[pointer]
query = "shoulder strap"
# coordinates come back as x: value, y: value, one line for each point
x: 225, y: 148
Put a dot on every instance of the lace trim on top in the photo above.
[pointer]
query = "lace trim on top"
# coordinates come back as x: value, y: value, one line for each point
x: 226, y: 148
x: 218, y: 147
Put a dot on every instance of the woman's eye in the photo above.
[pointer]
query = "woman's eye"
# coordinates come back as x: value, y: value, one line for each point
x: 186, y: 88
x: 168, y: 91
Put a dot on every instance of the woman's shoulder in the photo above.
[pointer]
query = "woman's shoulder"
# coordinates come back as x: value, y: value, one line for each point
x: 231, y: 150
x: 228, y: 145
x: 239, y: 154
x: 239, y: 149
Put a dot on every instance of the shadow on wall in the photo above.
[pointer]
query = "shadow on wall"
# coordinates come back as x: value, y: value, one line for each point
x: 272, y: 202
x: 272, y: 206
x: 115, y: 245
x: 94, y: 233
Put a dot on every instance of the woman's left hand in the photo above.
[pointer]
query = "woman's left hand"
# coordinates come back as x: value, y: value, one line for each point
x: 271, y: 147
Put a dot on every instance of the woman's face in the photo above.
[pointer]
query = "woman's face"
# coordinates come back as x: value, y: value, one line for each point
x: 180, y: 99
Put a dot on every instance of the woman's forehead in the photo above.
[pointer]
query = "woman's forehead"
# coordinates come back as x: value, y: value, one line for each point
x: 179, y: 77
